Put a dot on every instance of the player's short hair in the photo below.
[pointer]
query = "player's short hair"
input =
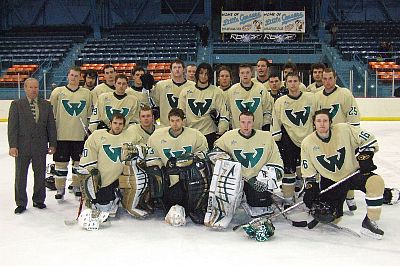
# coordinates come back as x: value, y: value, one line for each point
x: 322, y: 111
x: 74, y: 68
x: 330, y: 70
x: 290, y: 65
x: 136, y: 69
x: 193, y: 65
x: 178, y: 62
x: 318, y: 65
x: 209, y: 69
x: 226, y: 68
x: 145, y: 108
x: 292, y: 74
x: 274, y: 75
x: 263, y: 59
x: 90, y: 73
x: 176, y: 112
x: 246, y: 113
x: 121, y: 76
x: 244, y: 66
x: 118, y: 115
x: 107, y: 66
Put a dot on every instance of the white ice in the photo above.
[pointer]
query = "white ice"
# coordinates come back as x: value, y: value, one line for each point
x: 39, y: 237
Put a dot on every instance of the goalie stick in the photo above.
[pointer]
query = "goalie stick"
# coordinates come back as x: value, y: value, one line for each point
x: 75, y: 221
x: 267, y: 217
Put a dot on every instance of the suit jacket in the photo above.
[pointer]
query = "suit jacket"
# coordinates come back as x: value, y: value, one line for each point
x: 29, y: 137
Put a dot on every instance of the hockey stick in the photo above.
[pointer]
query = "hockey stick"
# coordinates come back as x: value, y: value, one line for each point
x: 84, y: 127
x: 266, y: 217
x: 75, y: 221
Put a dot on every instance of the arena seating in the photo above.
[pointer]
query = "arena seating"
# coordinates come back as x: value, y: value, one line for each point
x: 386, y: 71
x: 15, y: 74
x: 144, y: 43
x: 266, y: 48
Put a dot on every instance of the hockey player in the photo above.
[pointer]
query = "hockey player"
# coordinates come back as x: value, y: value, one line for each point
x: 102, y: 157
x: 317, y: 70
x: 343, y: 109
x: 275, y: 85
x: 117, y: 101
x: 146, y: 127
x: 108, y: 85
x: 183, y: 182
x: 202, y: 101
x: 330, y: 152
x: 258, y: 154
x: 72, y: 106
x: 190, y: 72
x: 251, y: 96
x: 262, y: 72
x: 224, y: 78
x: 90, y: 79
x: 292, y: 122
x: 291, y: 68
x: 166, y: 92
x: 137, y: 89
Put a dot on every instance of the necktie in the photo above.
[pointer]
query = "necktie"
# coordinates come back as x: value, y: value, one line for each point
x: 33, y: 109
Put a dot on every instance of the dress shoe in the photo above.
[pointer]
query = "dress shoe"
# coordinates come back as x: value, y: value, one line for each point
x: 39, y: 205
x: 19, y: 209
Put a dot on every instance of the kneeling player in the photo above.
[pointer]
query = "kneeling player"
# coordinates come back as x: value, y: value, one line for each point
x: 261, y: 163
x: 330, y: 152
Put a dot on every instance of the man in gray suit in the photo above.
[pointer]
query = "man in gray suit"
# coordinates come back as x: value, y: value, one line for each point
x: 31, y: 135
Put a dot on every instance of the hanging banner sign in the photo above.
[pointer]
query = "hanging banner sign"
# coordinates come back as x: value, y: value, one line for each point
x: 260, y: 21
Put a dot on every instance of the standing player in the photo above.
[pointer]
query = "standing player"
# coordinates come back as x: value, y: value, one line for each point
x: 342, y: 108
x: 292, y: 122
x: 291, y: 68
x: 90, y: 79
x: 257, y: 152
x: 276, y: 88
x: 251, y: 96
x: 200, y: 101
x: 330, y: 152
x: 137, y: 89
x: 262, y: 72
x: 108, y: 85
x: 170, y: 144
x: 146, y: 127
x: 117, y: 101
x: 224, y: 78
x: 190, y: 72
x: 72, y: 106
x: 166, y: 92
x: 317, y: 70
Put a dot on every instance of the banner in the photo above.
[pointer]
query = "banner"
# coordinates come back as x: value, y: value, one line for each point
x: 260, y: 21
x: 261, y: 37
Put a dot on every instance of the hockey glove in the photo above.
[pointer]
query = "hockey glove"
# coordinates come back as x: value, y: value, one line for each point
x: 365, y: 161
x: 102, y: 125
x: 147, y: 81
x: 311, y: 192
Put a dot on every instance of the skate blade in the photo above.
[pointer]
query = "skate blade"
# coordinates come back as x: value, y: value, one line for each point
x: 370, y: 234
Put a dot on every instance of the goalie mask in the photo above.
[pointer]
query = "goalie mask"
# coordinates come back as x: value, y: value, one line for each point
x: 91, y: 219
x: 323, y: 212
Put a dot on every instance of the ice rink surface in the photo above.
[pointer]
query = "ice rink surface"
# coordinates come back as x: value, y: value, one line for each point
x: 40, y: 237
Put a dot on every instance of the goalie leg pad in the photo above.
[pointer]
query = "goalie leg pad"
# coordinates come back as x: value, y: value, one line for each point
x: 92, y: 185
x: 225, y: 194
x: 155, y: 178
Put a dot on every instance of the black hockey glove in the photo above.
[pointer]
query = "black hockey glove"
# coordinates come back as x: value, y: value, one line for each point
x: 311, y: 192
x: 147, y: 81
x: 365, y: 161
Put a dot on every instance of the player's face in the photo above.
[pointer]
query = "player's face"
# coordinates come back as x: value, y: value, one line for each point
x: 287, y: 71
x: 321, y: 123
x: 136, y: 78
x: 224, y: 79
x: 120, y: 86
x: 176, y: 123
x: 246, y: 124
x: 31, y: 88
x: 293, y: 83
x: 146, y: 118
x: 262, y: 69
x: 109, y: 75
x: 245, y: 75
x: 117, y: 125
x: 177, y: 70
x: 203, y: 76
x: 317, y: 74
x: 73, y: 78
x: 329, y: 80
x: 190, y: 72
x: 274, y: 83
x: 90, y: 82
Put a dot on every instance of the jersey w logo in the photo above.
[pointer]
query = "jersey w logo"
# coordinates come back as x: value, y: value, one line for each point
x: 110, y: 111
x: 172, y: 100
x: 333, y: 162
x: 178, y: 153
x: 250, y: 159
x: 250, y: 106
x: 298, y: 118
x: 74, y: 109
x: 114, y: 153
x: 199, y: 108
x: 334, y: 109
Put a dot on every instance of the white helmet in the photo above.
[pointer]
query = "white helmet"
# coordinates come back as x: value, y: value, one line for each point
x: 176, y: 216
